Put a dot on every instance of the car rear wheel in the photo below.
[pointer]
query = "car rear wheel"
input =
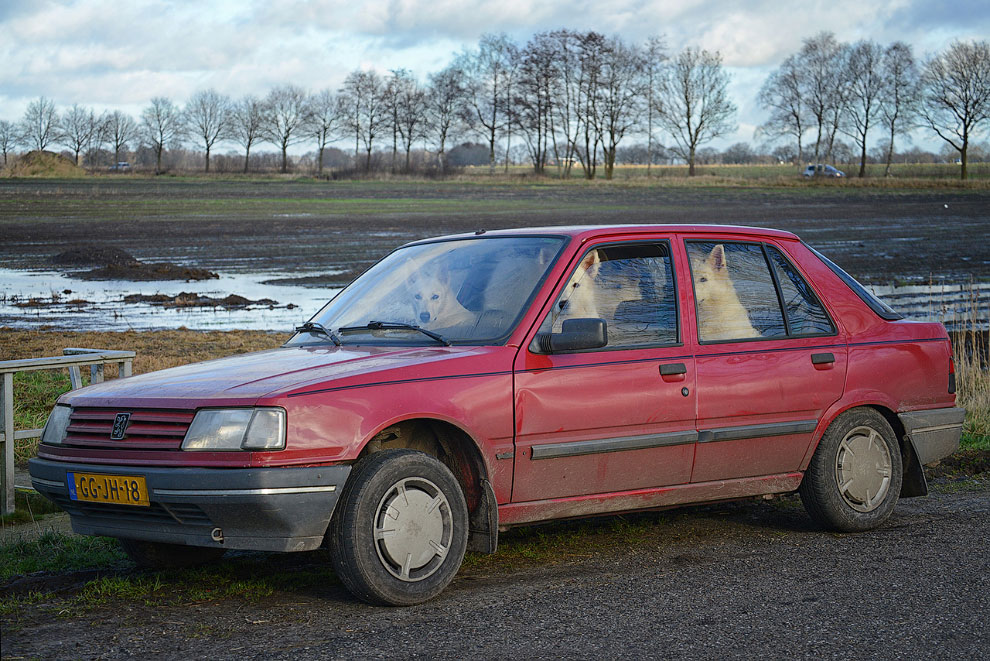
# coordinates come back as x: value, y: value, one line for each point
x: 400, y: 530
x: 854, y: 478
x: 160, y: 555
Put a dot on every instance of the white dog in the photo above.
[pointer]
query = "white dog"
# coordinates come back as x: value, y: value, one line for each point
x: 721, y: 316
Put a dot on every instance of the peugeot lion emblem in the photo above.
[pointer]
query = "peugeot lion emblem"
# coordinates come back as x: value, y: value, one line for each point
x: 119, y: 426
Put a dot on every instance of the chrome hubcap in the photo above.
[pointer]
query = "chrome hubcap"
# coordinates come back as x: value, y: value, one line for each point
x: 413, y: 529
x: 863, y: 469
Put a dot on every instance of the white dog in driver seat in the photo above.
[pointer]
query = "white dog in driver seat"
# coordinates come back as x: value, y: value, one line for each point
x: 434, y: 302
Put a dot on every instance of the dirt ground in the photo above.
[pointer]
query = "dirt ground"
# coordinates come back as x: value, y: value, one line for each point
x: 743, y: 580
x: 879, y: 235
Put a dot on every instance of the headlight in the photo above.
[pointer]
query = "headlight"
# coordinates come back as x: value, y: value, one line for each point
x: 58, y: 423
x: 236, y: 429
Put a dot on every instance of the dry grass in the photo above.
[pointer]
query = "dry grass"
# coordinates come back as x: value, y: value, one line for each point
x: 971, y: 354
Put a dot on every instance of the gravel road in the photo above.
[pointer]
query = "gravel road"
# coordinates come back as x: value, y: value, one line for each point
x: 751, y: 579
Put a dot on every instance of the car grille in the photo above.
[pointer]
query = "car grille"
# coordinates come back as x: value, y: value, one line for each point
x: 183, y: 513
x: 148, y: 429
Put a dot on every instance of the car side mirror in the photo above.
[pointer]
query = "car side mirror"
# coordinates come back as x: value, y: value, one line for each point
x: 574, y: 335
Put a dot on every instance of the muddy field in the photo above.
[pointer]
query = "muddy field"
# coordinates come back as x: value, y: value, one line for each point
x: 878, y: 235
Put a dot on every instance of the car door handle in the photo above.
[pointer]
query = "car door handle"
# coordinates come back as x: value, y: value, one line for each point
x: 673, y: 370
x: 822, y: 358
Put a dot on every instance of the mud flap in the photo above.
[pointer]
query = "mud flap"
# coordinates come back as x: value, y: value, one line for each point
x: 483, y: 537
x: 914, y: 483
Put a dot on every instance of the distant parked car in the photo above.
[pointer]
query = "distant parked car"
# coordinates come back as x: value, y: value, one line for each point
x: 823, y: 171
x: 120, y: 166
x: 467, y: 384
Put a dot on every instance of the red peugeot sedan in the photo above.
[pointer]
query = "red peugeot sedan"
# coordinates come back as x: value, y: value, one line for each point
x: 471, y: 383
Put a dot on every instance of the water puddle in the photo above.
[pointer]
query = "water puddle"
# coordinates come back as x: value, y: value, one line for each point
x: 31, y: 299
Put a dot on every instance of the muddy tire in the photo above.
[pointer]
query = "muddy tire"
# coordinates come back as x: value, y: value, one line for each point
x: 159, y: 555
x: 855, y: 475
x: 400, y: 529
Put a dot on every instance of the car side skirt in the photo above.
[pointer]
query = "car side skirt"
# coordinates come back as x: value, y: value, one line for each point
x: 645, y: 499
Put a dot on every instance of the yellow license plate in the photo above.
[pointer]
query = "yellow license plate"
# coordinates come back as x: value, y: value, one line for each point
x: 102, y: 488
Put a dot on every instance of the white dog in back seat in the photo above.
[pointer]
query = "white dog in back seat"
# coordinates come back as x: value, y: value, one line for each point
x: 721, y: 316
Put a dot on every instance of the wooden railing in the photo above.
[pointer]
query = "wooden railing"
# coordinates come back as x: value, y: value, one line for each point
x: 72, y: 359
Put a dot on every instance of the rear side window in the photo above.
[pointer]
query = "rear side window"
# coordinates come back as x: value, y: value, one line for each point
x: 734, y: 292
x: 882, y: 310
x: 805, y: 313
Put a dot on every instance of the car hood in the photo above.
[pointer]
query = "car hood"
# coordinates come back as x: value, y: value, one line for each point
x: 247, y: 378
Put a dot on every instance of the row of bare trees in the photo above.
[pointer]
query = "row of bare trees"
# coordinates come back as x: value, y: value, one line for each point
x: 865, y: 88
x: 570, y: 98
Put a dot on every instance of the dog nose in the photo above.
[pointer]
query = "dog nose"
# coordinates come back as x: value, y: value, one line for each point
x: 424, y: 317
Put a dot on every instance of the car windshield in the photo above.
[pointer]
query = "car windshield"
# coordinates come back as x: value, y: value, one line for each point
x: 464, y: 291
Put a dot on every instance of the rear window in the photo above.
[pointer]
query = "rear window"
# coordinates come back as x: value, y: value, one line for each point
x: 883, y: 310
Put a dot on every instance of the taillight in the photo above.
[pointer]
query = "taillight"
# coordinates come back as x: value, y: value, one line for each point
x: 952, y: 375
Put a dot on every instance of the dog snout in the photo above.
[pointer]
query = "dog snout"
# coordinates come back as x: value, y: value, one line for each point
x: 424, y: 317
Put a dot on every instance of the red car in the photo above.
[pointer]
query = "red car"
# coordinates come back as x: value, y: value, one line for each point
x: 471, y: 383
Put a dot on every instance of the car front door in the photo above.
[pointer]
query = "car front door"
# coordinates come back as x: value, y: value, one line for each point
x: 618, y: 417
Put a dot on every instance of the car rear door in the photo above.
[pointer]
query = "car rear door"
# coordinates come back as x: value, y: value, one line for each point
x: 616, y: 418
x: 769, y: 359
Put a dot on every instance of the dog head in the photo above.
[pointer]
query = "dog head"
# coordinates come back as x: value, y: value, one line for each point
x: 430, y: 292
x: 711, y: 275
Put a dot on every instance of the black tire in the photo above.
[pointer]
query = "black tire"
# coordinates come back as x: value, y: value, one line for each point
x: 412, y: 487
x: 160, y: 555
x: 854, y: 478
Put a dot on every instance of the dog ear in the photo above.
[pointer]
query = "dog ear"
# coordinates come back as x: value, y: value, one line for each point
x: 716, y: 258
x: 591, y: 259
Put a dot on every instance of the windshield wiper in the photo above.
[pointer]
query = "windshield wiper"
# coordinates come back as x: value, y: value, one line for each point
x: 318, y: 329
x: 386, y: 325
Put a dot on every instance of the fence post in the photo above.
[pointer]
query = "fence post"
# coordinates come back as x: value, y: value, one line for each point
x: 7, y: 458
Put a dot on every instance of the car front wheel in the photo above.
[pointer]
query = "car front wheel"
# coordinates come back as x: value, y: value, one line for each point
x: 400, y: 530
x: 854, y: 478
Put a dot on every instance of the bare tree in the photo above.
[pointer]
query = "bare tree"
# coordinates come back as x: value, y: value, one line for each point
x: 956, y: 94
x: 9, y: 138
x: 208, y: 114
x: 285, y: 117
x: 411, y: 115
x: 620, y: 95
x: 444, y: 99
x: 694, y: 105
x: 119, y: 128
x: 396, y: 92
x: 163, y: 126
x: 865, y: 84
x: 325, y: 115
x: 899, y: 101
x: 488, y: 70
x: 366, y: 110
x: 654, y: 55
x: 534, y: 93
x: 566, y: 106
x: 40, y: 125
x: 781, y: 94
x: 246, y: 122
x: 592, y: 52
x: 821, y: 83
x: 79, y: 129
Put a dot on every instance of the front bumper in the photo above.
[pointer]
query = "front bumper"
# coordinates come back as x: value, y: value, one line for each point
x: 263, y: 509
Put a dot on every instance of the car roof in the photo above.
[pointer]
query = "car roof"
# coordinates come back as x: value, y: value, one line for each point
x: 587, y: 232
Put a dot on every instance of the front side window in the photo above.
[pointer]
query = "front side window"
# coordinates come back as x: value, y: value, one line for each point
x: 630, y: 286
x: 734, y: 292
x: 470, y: 291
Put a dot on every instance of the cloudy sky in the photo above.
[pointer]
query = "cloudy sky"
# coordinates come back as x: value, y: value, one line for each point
x: 118, y: 54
